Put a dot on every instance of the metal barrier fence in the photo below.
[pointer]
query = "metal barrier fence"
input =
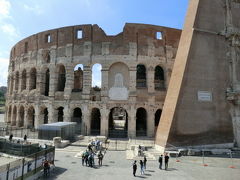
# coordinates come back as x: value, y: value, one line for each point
x: 23, y: 168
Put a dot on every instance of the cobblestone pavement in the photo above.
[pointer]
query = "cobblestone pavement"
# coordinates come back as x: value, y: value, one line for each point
x: 116, y: 167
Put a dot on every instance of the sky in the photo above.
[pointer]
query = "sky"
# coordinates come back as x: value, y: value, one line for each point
x: 22, y: 18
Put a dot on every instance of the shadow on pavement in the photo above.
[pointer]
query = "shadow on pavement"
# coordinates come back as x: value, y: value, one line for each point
x: 171, y: 169
x: 141, y: 177
x: 55, y: 173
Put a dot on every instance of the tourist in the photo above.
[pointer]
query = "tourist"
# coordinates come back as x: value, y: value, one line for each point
x: 139, y: 150
x: 83, y: 158
x: 100, y: 158
x: 145, y: 162
x: 134, y: 168
x: 25, y: 138
x: 10, y: 137
x: 86, y: 157
x: 141, y: 167
x: 166, y: 158
x: 160, y: 161
x: 46, y: 168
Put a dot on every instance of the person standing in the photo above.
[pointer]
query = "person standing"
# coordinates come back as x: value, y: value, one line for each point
x: 25, y: 138
x: 141, y: 167
x: 134, y: 168
x: 160, y: 161
x: 145, y: 162
x: 100, y: 158
x: 166, y: 158
x: 10, y: 137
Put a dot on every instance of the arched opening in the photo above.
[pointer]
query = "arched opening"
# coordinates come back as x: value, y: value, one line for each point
x: 60, y: 114
x: 14, y: 116
x: 141, y: 122
x: 61, y: 78
x: 24, y: 80
x: 16, y: 81
x: 33, y: 79
x: 97, y: 76
x: 157, y: 118
x: 77, y: 117
x: 118, y: 123
x: 47, y: 79
x: 95, y: 121
x: 21, y: 116
x: 9, y: 114
x: 141, y: 76
x: 78, y: 78
x: 45, y: 116
x: 31, y: 117
x: 11, y: 84
x: 159, y: 78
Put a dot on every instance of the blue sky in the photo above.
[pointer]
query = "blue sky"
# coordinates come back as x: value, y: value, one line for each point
x: 22, y: 18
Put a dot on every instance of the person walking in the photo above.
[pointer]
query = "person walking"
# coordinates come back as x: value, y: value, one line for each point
x: 141, y: 167
x: 100, y: 158
x: 134, y: 168
x: 166, y: 159
x: 10, y: 137
x: 25, y: 138
x: 160, y: 161
x: 145, y: 162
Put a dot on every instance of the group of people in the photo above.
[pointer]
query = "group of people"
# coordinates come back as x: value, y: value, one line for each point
x: 94, y: 149
x: 143, y: 164
x: 166, y: 159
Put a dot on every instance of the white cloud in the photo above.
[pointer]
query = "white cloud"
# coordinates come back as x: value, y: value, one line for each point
x: 10, y: 30
x: 35, y: 9
x: 4, y: 9
x: 4, y: 62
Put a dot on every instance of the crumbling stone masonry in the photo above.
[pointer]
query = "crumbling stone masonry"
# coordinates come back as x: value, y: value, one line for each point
x: 50, y: 78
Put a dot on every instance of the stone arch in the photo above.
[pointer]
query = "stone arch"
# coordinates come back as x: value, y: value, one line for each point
x: 118, y: 123
x: 61, y: 78
x: 77, y: 117
x: 21, y: 116
x: 24, y: 80
x: 46, y: 82
x: 141, y: 78
x: 78, y: 78
x: 141, y: 122
x: 16, y: 81
x: 97, y: 75
x: 118, y: 68
x: 158, y: 114
x: 33, y: 79
x: 44, y: 115
x: 14, y: 116
x: 9, y: 114
x: 95, y: 121
x: 31, y: 117
x: 60, y: 114
x: 159, y: 78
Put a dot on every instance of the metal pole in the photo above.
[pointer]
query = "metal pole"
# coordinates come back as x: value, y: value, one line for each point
x: 23, y: 160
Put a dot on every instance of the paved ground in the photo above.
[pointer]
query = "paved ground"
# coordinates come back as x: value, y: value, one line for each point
x: 116, y: 167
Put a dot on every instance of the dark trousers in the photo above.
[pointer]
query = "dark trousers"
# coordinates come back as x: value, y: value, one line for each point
x: 134, y: 172
x: 160, y: 165
x: 166, y: 165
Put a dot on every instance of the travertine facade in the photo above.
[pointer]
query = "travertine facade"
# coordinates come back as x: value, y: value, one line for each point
x: 43, y: 86
x: 202, y: 101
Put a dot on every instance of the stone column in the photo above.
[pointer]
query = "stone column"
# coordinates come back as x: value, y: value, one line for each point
x: 104, y: 121
x: 86, y: 120
x: 69, y: 81
x: 132, y: 122
x: 27, y: 80
x: 150, y: 79
x: 67, y: 114
x: 39, y: 83
x: 87, y: 81
x: 13, y: 117
x: 132, y: 83
x: 25, y: 121
x: 150, y: 122
x: 52, y: 114
x: 18, y: 117
x: 37, y: 117
x: 104, y: 88
x: 52, y: 82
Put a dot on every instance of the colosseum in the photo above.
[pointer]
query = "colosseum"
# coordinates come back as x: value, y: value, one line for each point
x: 51, y: 79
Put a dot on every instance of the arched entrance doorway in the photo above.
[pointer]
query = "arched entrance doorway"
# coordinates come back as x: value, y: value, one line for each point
x: 21, y: 115
x: 45, y: 116
x: 31, y: 117
x: 141, y: 122
x: 77, y: 117
x: 60, y: 114
x: 95, y: 121
x: 118, y: 123
x: 157, y: 118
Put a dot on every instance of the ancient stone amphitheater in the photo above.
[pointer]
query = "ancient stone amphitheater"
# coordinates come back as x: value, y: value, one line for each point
x: 50, y: 79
